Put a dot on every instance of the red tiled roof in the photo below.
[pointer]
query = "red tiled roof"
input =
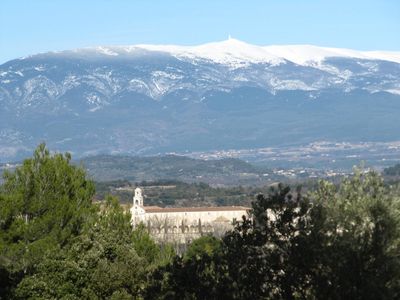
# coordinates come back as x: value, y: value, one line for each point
x: 156, y: 209
x: 151, y: 207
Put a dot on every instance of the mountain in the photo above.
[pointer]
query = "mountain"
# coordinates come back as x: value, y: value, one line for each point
x: 149, y: 99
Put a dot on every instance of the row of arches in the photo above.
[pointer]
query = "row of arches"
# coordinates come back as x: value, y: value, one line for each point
x: 198, y: 228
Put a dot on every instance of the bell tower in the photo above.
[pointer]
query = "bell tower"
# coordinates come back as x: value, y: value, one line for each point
x: 138, y: 198
x: 137, y: 210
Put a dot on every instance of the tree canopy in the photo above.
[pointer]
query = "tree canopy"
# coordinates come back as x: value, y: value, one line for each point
x: 44, y: 203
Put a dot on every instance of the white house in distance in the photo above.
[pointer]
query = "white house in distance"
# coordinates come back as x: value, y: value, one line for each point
x: 182, y: 224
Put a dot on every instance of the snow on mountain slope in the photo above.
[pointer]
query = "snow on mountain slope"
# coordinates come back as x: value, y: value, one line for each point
x: 234, y: 52
x: 95, y: 73
x: 231, y: 52
x: 384, y: 55
x: 155, y: 98
x: 304, y: 54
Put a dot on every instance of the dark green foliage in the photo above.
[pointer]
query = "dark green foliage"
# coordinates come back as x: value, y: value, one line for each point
x: 43, y: 204
x: 361, y: 257
x: 101, y: 263
x: 197, y: 277
x: 271, y: 256
x: 392, y: 171
x: 205, y: 245
x: 175, y: 280
x: 340, y: 243
x: 145, y: 247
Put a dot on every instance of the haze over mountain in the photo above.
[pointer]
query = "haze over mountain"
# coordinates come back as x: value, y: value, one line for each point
x: 147, y: 99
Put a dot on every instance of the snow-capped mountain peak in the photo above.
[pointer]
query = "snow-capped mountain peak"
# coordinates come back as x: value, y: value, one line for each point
x: 230, y: 52
x: 233, y: 51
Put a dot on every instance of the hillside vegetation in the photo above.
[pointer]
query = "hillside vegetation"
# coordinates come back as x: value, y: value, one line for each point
x: 334, y: 242
x: 392, y: 171
x: 227, y: 171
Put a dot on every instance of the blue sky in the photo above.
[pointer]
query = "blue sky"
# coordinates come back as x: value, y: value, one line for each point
x: 32, y: 26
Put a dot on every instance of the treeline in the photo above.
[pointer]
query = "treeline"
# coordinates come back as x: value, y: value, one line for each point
x: 392, y: 171
x: 177, y: 193
x: 182, y: 194
x: 336, y: 242
x: 227, y: 171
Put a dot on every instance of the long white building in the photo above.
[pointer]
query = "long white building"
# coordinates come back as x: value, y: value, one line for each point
x: 182, y: 224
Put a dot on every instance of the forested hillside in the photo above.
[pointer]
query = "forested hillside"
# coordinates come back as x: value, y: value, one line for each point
x: 392, y: 171
x: 229, y: 171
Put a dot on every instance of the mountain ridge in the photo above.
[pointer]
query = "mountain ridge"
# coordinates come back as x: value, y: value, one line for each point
x: 148, y: 101
x: 296, y: 53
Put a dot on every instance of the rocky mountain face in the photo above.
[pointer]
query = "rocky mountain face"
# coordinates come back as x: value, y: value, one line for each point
x: 148, y: 99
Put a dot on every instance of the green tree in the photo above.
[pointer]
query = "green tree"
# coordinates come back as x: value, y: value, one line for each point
x: 361, y: 254
x: 43, y: 203
x: 191, y: 278
x: 101, y: 263
x: 145, y: 245
x: 205, y: 245
x: 270, y: 256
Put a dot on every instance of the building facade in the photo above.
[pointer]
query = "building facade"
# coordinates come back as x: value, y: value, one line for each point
x: 183, y: 224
